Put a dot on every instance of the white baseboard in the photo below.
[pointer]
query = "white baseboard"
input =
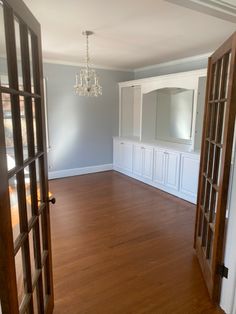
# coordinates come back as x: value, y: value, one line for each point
x: 78, y: 171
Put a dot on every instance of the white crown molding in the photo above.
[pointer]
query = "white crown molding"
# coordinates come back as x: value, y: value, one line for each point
x: 78, y: 171
x: 149, y: 67
x: 188, y: 78
x: 175, y: 62
x: 220, y: 9
x: 77, y: 64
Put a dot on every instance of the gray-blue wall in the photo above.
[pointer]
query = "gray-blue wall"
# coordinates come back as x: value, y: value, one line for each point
x: 81, y: 128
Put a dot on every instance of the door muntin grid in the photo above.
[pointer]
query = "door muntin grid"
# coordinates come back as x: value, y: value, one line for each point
x: 216, y: 110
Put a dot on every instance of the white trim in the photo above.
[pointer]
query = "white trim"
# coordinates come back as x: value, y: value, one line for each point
x: 149, y: 67
x: 234, y: 303
x: 174, y: 62
x: 216, y: 8
x: 78, y: 171
x: 77, y: 64
x: 187, y: 77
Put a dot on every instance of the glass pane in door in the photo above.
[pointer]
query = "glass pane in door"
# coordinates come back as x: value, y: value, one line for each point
x: 14, y: 207
x: 20, y: 277
x: 41, y: 235
x: 23, y: 128
x: 3, y: 59
x: 8, y: 128
x: 18, y: 54
x: 34, y: 125
x: 31, y: 61
x: 28, y: 192
x: 39, y: 188
x: 32, y: 253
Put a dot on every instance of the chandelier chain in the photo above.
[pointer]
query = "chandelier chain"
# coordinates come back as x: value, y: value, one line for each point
x: 87, y: 50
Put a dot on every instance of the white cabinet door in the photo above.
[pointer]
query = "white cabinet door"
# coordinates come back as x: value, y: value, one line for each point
x: 137, y: 159
x: 147, y: 165
x: 159, y: 166
x: 126, y: 155
x: 172, y: 170
x: 189, y: 175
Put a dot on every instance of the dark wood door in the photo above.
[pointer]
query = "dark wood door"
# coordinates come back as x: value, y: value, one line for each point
x: 217, y: 142
x: 26, y: 284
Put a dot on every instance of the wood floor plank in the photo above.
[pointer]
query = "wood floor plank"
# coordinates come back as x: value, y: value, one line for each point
x: 120, y: 247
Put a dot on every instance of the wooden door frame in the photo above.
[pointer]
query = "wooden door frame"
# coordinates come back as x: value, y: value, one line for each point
x: 8, y: 285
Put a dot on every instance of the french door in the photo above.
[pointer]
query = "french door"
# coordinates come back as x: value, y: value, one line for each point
x: 25, y: 245
x: 217, y: 143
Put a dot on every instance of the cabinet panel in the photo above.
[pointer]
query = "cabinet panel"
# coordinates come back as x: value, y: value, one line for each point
x: 130, y: 111
x: 189, y: 175
x: 137, y: 111
x: 147, y: 162
x: 137, y: 159
x: 172, y: 170
x: 159, y: 166
x: 126, y: 156
x: 127, y: 96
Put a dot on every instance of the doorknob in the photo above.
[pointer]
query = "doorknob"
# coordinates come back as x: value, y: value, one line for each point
x: 52, y: 200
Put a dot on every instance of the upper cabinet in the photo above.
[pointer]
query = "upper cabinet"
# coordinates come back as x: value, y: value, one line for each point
x: 164, y: 108
x: 130, y: 111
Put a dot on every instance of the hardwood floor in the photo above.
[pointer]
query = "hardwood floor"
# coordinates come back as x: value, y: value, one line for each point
x: 120, y: 246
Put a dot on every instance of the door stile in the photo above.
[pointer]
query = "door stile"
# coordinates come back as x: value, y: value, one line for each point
x: 41, y: 134
x: 8, y: 288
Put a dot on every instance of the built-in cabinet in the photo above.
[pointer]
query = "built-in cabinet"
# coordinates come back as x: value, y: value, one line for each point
x: 170, y: 170
x: 160, y: 128
x: 130, y: 111
x: 189, y: 174
x: 143, y: 161
x: 123, y: 155
x: 159, y: 166
x: 166, y: 168
x: 167, y: 108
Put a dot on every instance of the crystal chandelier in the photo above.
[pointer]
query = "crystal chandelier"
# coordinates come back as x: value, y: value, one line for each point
x: 87, y: 81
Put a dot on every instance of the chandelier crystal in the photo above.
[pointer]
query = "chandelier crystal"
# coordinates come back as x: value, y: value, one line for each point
x: 87, y: 81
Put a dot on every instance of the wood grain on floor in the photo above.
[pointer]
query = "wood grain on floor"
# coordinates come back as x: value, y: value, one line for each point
x: 120, y: 246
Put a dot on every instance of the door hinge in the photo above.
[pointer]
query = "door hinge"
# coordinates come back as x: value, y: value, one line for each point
x: 223, y: 271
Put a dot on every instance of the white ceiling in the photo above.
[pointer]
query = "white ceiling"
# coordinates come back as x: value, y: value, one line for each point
x: 128, y: 33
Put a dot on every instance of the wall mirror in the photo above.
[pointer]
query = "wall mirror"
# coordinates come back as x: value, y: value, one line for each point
x: 174, y: 114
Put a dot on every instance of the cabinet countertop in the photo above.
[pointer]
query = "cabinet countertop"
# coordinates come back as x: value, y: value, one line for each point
x: 182, y: 148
